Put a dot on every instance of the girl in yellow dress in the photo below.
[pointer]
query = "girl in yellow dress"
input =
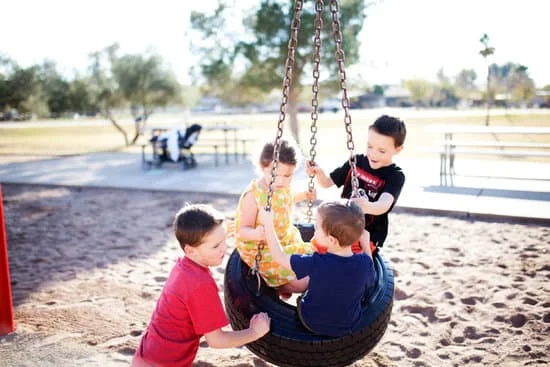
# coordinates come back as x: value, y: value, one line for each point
x: 249, y: 232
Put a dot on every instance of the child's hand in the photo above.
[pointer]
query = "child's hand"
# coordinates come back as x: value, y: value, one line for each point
x: 364, y: 241
x: 311, y: 195
x: 260, y: 324
x: 265, y: 217
x: 365, y: 238
x: 311, y: 168
x: 361, y: 202
x: 259, y: 233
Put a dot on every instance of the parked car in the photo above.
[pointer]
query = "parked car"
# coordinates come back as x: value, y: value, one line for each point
x: 14, y: 115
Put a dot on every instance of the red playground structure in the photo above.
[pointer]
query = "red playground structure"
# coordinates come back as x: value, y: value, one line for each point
x: 6, y: 305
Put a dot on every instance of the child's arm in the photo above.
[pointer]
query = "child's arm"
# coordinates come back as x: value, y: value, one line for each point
x: 247, y: 229
x: 378, y: 207
x: 259, y: 326
x: 266, y: 218
x: 364, y: 241
x: 305, y: 195
x: 322, y: 178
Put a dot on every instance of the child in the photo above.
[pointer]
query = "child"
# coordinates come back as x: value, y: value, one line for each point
x: 332, y: 304
x: 381, y: 179
x: 249, y: 233
x: 189, y: 305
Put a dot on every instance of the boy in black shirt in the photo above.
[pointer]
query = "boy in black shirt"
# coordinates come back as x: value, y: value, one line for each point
x: 381, y: 179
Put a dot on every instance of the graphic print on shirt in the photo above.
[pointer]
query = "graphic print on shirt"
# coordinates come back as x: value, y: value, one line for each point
x: 372, y: 184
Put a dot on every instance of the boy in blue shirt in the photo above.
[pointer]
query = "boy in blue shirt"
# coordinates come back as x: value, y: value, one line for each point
x: 337, y: 225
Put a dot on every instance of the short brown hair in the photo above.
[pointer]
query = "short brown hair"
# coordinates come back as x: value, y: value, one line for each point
x: 343, y: 220
x: 193, y: 222
x: 287, y: 154
x: 392, y: 127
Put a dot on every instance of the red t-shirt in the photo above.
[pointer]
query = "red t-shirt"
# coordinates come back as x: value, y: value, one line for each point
x: 188, y: 307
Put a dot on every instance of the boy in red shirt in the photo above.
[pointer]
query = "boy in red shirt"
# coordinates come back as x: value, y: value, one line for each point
x: 189, y: 306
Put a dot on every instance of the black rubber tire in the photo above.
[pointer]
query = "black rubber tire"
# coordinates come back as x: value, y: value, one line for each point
x: 288, y: 343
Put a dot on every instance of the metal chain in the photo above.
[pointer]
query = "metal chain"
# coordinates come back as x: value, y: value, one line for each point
x: 287, y: 82
x: 340, y: 58
x: 319, y: 7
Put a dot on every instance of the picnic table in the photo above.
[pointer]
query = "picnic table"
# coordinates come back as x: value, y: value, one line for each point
x: 450, y: 147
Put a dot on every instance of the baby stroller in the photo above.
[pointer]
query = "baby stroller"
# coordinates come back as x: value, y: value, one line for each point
x: 174, y: 146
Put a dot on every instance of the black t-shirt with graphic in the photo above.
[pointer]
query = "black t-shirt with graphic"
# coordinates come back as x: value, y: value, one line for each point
x: 388, y: 179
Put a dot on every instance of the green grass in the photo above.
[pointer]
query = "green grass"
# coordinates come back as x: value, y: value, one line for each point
x: 79, y: 138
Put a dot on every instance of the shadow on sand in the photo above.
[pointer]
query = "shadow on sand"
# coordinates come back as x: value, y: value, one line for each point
x: 54, y: 233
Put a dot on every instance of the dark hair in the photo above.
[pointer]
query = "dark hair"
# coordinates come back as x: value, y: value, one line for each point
x: 391, y: 126
x: 342, y: 219
x: 193, y: 222
x: 287, y: 154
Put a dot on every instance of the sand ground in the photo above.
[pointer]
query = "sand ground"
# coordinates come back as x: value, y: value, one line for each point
x: 87, y: 265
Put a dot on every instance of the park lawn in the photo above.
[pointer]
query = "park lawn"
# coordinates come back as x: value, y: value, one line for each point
x: 59, y: 140
x: 82, y: 138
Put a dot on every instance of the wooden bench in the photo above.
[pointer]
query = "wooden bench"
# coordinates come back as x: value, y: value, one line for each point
x: 495, y: 146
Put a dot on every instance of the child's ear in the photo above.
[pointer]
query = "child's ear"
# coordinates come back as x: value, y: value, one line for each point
x: 398, y: 149
x: 189, y: 250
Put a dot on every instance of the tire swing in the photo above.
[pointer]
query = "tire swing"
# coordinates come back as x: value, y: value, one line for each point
x: 289, y: 343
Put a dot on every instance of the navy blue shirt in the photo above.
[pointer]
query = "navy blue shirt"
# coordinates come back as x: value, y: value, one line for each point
x: 332, y: 304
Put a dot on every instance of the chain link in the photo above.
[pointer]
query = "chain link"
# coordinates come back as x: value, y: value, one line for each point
x: 340, y: 58
x: 319, y: 7
x: 287, y: 82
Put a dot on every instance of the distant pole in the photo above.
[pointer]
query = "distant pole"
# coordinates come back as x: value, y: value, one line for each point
x: 6, y: 305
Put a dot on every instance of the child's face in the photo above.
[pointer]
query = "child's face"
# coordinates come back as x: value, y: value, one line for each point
x: 284, y: 174
x: 380, y: 149
x: 212, y: 249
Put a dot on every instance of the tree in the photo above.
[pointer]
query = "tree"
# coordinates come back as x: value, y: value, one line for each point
x: 80, y: 96
x: 55, y: 89
x: 145, y: 83
x: 445, y: 92
x: 104, y: 88
x: 140, y: 81
x: 422, y: 91
x: 486, y: 52
x: 262, y: 48
x: 521, y: 86
x: 465, y: 86
x: 22, y: 86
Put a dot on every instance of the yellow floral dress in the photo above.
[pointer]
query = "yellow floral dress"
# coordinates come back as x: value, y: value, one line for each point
x: 281, y: 205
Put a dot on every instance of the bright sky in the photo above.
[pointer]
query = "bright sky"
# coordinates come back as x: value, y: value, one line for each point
x: 401, y: 39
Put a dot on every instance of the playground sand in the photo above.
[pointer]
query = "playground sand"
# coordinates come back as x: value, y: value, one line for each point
x: 87, y: 266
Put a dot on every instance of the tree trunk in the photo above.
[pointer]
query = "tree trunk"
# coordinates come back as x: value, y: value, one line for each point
x: 488, y: 97
x: 292, y: 112
x: 139, y: 124
x: 118, y: 127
